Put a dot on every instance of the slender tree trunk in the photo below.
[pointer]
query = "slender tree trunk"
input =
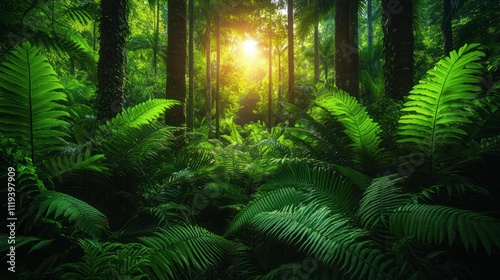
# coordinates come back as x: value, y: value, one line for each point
x: 398, y: 47
x: 280, y: 98
x: 316, y: 53
x: 176, y: 61
x: 112, y: 60
x: 208, y: 62
x: 270, y: 89
x: 346, y: 46
x: 369, y: 11
x: 190, y: 116
x: 156, y: 40
x: 446, y: 28
x: 291, y: 59
x: 217, y: 78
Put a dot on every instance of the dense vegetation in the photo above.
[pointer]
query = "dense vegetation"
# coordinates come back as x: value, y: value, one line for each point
x: 314, y: 139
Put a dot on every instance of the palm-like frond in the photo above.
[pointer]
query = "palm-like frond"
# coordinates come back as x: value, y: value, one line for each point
x: 65, y: 165
x: 362, y: 130
x: 380, y: 199
x: 329, y: 238
x: 273, y: 200
x: 178, y: 250
x: 143, y: 113
x: 321, y: 183
x: 437, y: 107
x: 86, y: 218
x: 435, y: 223
x: 30, y: 101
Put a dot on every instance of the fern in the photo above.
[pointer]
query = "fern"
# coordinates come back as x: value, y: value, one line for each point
x: 435, y: 223
x: 180, y: 249
x: 30, y: 103
x: 85, y: 218
x: 360, y: 128
x: 59, y: 166
x: 437, y: 107
x: 329, y: 238
x: 272, y: 200
x: 380, y: 199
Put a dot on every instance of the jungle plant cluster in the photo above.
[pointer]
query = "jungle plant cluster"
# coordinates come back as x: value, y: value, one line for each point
x: 338, y: 195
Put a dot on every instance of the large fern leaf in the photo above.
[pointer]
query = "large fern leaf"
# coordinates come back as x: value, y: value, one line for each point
x: 435, y: 223
x: 56, y: 205
x: 181, y: 249
x: 30, y: 103
x: 362, y: 130
x: 329, y: 238
x: 437, y: 107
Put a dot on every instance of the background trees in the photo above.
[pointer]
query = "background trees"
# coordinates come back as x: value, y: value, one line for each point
x: 380, y: 178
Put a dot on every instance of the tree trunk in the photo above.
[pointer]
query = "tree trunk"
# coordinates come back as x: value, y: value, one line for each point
x: 208, y: 63
x: 156, y: 40
x: 446, y: 28
x: 398, y: 47
x: 112, y: 60
x: 369, y: 11
x: 346, y: 46
x: 217, y: 78
x: 176, y: 61
x: 316, y: 53
x: 291, y: 60
x: 190, y: 116
x: 270, y: 89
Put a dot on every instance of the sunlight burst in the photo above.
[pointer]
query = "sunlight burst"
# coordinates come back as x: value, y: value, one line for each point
x: 250, y: 47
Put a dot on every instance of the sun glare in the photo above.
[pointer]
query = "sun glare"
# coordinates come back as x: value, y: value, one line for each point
x: 250, y: 47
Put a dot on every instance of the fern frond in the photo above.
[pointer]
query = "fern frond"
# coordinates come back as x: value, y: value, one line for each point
x: 380, y: 199
x: 321, y: 182
x: 63, y: 165
x: 435, y: 223
x: 362, y: 130
x: 86, y: 218
x: 438, y: 107
x: 30, y: 103
x: 329, y: 238
x: 142, y: 113
x: 179, y: 249
x: 269, y: 201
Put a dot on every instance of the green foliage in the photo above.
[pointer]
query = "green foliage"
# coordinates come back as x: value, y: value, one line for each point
x: 441, y: 104
x: 435, y: 223
x: 55, y: 205
x: 60, y: 166
x: 178, y: 250
x: 360, y: 128
x: 30, y: 103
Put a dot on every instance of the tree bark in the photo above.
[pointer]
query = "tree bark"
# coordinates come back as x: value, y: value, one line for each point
x: 316, y: 53
x: 190, y: 116
x: 346, y: 46
x: 398, y: 47
x: 176, y: 61
x: 112, y: 59
x: 446, y: 28
x: 291, y: 59
x: 217, y: 78
x: 208, y: 65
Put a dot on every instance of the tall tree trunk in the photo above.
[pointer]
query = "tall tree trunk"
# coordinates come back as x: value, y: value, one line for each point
x: 156, y: 39
x: 112, y: 60
x: 316, y: 53
x: 346, y: 46
x: 190, y: 116
x: 176, y: 61
x: 217, y: 78
x: 291, y: 59
x: 398, y: 47
x: 208, y: 63
x: 369, y: 11
x: 446, y: 28
x: 270, y: 84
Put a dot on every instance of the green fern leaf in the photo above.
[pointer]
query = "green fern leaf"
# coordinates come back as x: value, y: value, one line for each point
x: 86, y: 218
x: 178, y: 249
x: 329, y: 238
x: 434, y: 113
x: 30, y: 103
x: 360, y: 128
x: 61, y: 166
x: 435, y: 223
